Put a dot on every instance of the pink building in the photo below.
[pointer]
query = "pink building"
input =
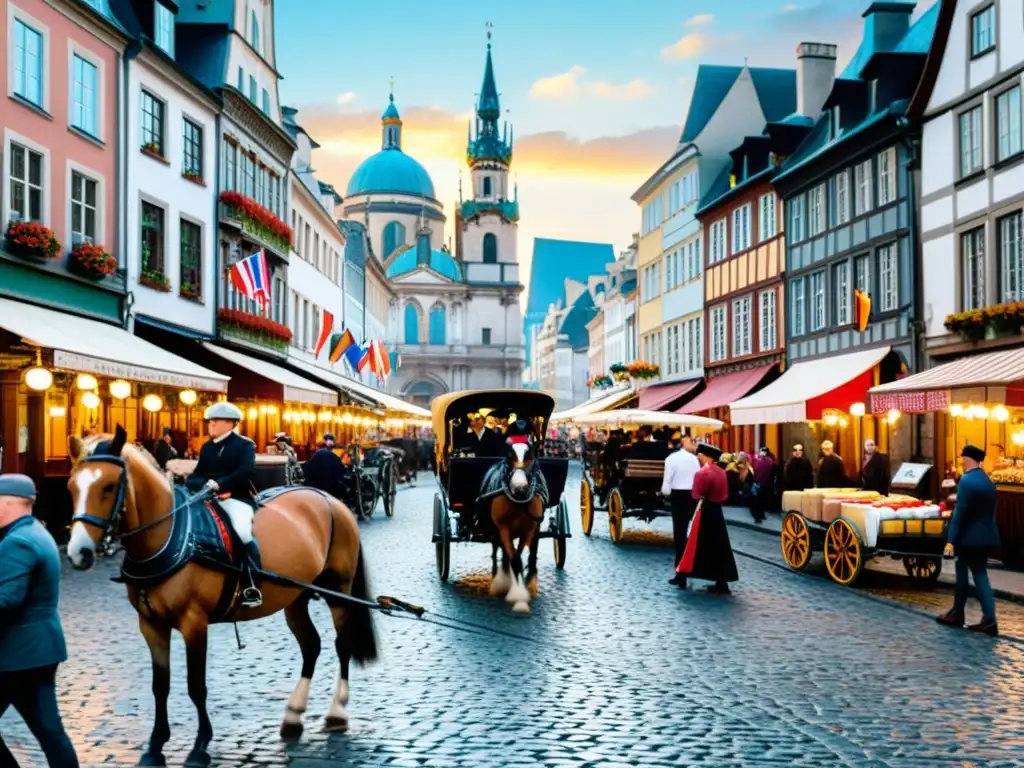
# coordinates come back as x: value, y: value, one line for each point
x: 62, y: 68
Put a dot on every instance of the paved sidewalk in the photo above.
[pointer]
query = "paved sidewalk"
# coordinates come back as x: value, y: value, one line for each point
x: 1007, y: 584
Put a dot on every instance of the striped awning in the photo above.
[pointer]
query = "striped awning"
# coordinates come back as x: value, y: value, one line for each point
x: 995, y: 377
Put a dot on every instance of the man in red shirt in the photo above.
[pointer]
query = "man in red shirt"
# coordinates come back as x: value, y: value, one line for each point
x: 708, y: 553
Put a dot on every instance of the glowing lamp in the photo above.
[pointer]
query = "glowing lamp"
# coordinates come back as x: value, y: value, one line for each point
x: 830, y: 420
x: 894, y: 415
x: 91, y: 400
x: 152, y: 403
x: 120, y: 389
x: 85, y: 381
x: 1018, y: 437
x: 1000, y: 413
x: 38, y: 379
x: 58, y: 411
x: 956, y: 410
x: 857, y: 409
x: 980, y: 412
x: 253, y: 413
x: 188, y: 396
x: 347, y: 418
x: 263, y: 410
x: 843, y: 421
x: 272, y: 410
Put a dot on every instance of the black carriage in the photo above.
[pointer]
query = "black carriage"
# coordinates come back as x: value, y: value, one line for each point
x: 457, y: 513
x: 376, y: 464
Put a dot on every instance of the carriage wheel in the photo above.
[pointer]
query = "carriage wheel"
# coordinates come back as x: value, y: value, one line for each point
x: 586, y: 507
x: 615, y: 515
x: 390, y: 488
x: 561, y: 533
x: 844, y: 552
x: 926, y: 569
x: 443, y: 539
x: 796, y: 541
x: 367, y: 492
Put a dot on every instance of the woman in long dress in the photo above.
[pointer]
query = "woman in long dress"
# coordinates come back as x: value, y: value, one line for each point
x: 708, y: 553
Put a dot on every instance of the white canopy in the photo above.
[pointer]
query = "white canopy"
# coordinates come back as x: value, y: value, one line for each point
x: 341, y: 381
x: 601, y: 402
x: 294, y: 388
x: 637, y: 417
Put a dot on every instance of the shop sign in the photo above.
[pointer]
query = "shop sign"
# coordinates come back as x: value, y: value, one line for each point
x: 83, y: 364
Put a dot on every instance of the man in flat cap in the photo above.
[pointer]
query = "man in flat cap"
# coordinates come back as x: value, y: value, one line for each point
x: 973, y: 536
x: 31, y: 637
x: 708, y: 552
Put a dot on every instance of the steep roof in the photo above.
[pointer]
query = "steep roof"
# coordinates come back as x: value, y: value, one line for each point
x: 556, y: 260
x: 574, y: 324
x: 775, y: 88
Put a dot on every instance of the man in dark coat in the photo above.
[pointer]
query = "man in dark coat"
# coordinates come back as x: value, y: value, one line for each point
x: 165, y: 450
x: 708, y: 552
x: 798, y: 474
x: 324, y: 470
x: 31, y: 638
x: 227, y: 466
x: 972, y: 536
x: 482, y: 441
x: 831, y: 470
x: 874, y: 471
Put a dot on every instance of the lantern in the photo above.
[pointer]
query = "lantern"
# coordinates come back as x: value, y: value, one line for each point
x: 152, y: 403
x: 84, y: 381
x: 188, y: 397
x: 120, y: 389
x: 91, y: 400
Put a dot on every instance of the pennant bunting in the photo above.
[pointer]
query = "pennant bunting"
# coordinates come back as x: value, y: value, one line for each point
x: 340, y: 344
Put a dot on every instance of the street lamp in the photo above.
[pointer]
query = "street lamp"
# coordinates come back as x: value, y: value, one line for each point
x: 38, y: 378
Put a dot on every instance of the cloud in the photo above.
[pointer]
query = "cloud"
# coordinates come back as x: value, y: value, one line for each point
x: 346, y: 98
x: 686, y: 47
x: 634, y: 90
x: 789, y: 7
x: 557, y: 87
x: 700, y: 19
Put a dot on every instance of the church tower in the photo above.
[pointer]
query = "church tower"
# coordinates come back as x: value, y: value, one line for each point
x: 391, y: 125
x: 487, y: 219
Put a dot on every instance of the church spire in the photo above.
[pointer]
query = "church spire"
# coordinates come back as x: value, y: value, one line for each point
x: 391, y: 123
x: 487, y: 143
x: 488, y: 108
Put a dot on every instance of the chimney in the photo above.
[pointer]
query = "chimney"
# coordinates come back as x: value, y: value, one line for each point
x: 885, y: 24
x: 815, y: 73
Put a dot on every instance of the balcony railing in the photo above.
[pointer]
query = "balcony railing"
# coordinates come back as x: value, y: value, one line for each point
x: 256, y: 226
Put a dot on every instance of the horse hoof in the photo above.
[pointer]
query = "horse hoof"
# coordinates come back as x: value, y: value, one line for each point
x: 197, y: 759
x: 150, y: 759
x: 291, y: 731
x: 521, y: 607
x: 532, y: 587
x: 335, y: 724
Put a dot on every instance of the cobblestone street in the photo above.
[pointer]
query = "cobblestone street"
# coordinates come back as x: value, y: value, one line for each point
x: 625, y: 670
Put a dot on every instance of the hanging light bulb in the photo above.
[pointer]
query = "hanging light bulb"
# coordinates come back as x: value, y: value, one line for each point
x: 91, y: 400
x: 85, y: 381
x: 152, y: 403
x: 38, y: 378
x: 980, y: 412
x: 188, y: 396
x: 830, y: 419
x: 263, y: 410
x: 253, y: 413
x: 857, y: 409
x: 120, y: 389
x: 894, y: 415
x: 347, y: 418
x: 956, y: 409
x: 1000, y: 413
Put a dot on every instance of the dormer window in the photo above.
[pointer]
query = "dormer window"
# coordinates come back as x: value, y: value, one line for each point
x: 163, y: 28
x: 254, y: 31
x: 983, y: 32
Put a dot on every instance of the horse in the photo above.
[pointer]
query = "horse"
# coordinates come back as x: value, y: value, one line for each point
x: 119, y: 492
x: 517, y: 511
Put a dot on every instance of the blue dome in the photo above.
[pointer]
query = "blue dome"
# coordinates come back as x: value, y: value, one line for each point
x: 390, y: 170
x: 440, y: 261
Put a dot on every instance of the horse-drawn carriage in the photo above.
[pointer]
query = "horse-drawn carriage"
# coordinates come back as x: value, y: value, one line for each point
x: 627, y: 481
x: 460, y: 515
x: 851, y: 527
x: 376, y: 468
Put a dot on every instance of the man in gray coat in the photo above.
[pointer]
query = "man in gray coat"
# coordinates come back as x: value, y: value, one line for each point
x: 31, y: 638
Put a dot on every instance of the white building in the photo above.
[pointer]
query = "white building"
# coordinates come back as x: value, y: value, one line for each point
x: 621, y: 283
x: 562, y: 344
x: 170, y: 179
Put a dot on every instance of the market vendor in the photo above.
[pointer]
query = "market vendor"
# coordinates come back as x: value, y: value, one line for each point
x: 874, y: 472
x: 798, y: 474
x: 831, y: 472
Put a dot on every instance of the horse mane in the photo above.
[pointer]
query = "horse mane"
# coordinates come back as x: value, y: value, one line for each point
x: 143, y: 460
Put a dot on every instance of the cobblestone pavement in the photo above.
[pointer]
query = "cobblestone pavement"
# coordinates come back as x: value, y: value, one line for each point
x: 624, y: 670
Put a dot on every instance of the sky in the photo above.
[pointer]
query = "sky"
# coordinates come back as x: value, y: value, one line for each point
x: 597, y: 92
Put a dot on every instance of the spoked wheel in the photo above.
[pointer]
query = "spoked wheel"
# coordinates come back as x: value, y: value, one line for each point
x: 367, y: 492
x: 561, y: 533
x: 796, y: 541
x: 442, y: 538
x: 586, y: 507
x: 390, y: 487
x: 844, y: 552
x: 615, y: 508
x: 926, y: 569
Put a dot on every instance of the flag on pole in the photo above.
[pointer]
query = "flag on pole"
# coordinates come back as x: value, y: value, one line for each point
x: 385, y: 360
x: 326, y: 326
x: 354, y: 354
x: 364, y: 359
x: 340, y: 344
x: 251, y: 277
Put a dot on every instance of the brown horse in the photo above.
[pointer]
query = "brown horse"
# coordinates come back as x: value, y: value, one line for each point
x: 119, y: 492
x: 517, y: 513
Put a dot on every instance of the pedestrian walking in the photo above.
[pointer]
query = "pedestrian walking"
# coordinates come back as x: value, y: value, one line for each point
x: 972, y: 536
x: 31, y: 638
x: 708, y: 552
x: 764, y: 485
x: 677, y: 483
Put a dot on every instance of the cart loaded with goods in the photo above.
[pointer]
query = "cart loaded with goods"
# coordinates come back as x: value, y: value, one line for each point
x: 851, y: 526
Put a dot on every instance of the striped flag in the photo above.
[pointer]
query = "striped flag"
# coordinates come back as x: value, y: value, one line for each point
x: 326, y: 326
x: 251, y: 277
x: 354, y: 354
x: 376, y: 360
x: 341, y: 344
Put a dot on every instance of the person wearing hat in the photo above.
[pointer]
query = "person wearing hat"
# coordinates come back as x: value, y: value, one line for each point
x: 293, y: 472
x: 324, y: 469
x: 31, y: 638
x: 764, y: 484
x: 972, y: 536
x: 798, y: 474
x: 165, y: 450
x: 226, y: 466
x: 831, y: 470
x: 481, y: 440
x: 708, y: 554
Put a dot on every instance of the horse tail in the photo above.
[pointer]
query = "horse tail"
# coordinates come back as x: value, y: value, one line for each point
x: 359, y: 636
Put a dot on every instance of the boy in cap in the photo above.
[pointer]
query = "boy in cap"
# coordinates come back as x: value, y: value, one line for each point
x: 972, y: 535
x: 31, y: 637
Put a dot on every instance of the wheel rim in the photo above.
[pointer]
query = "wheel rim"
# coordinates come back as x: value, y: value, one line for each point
x: 796, y: 541
x: 615, y: 516
x: 586, y: 507
x: 842, y: 552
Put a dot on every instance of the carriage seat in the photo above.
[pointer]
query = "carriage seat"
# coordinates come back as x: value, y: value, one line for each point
x: 644, y: 468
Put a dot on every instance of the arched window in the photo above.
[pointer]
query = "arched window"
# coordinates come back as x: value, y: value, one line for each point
x: 254, y: 31
x: 490, y: 249
x: 438, y: 323
x: 487, y: 186
x: 412, y: 324
x: 394, y: 237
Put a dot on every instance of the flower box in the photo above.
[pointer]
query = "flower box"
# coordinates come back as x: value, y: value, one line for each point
x: 258, y: 220
x: 195, y: 178
x: 32, y: 241
x: 91, y: 261
x: 152, y: 149
x: 988, y: 323
x: 191, y: 292
x: 254, y: 328
x: 639, y: 369
x: 158, y: 281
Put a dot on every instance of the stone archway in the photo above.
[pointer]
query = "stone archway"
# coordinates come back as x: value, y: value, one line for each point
x: 422, y: 390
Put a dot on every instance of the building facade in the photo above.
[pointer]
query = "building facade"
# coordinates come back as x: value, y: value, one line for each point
x: 562, y: 345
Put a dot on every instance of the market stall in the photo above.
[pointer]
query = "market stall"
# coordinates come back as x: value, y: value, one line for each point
x: 977, y: 400
x: 714, y: 402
